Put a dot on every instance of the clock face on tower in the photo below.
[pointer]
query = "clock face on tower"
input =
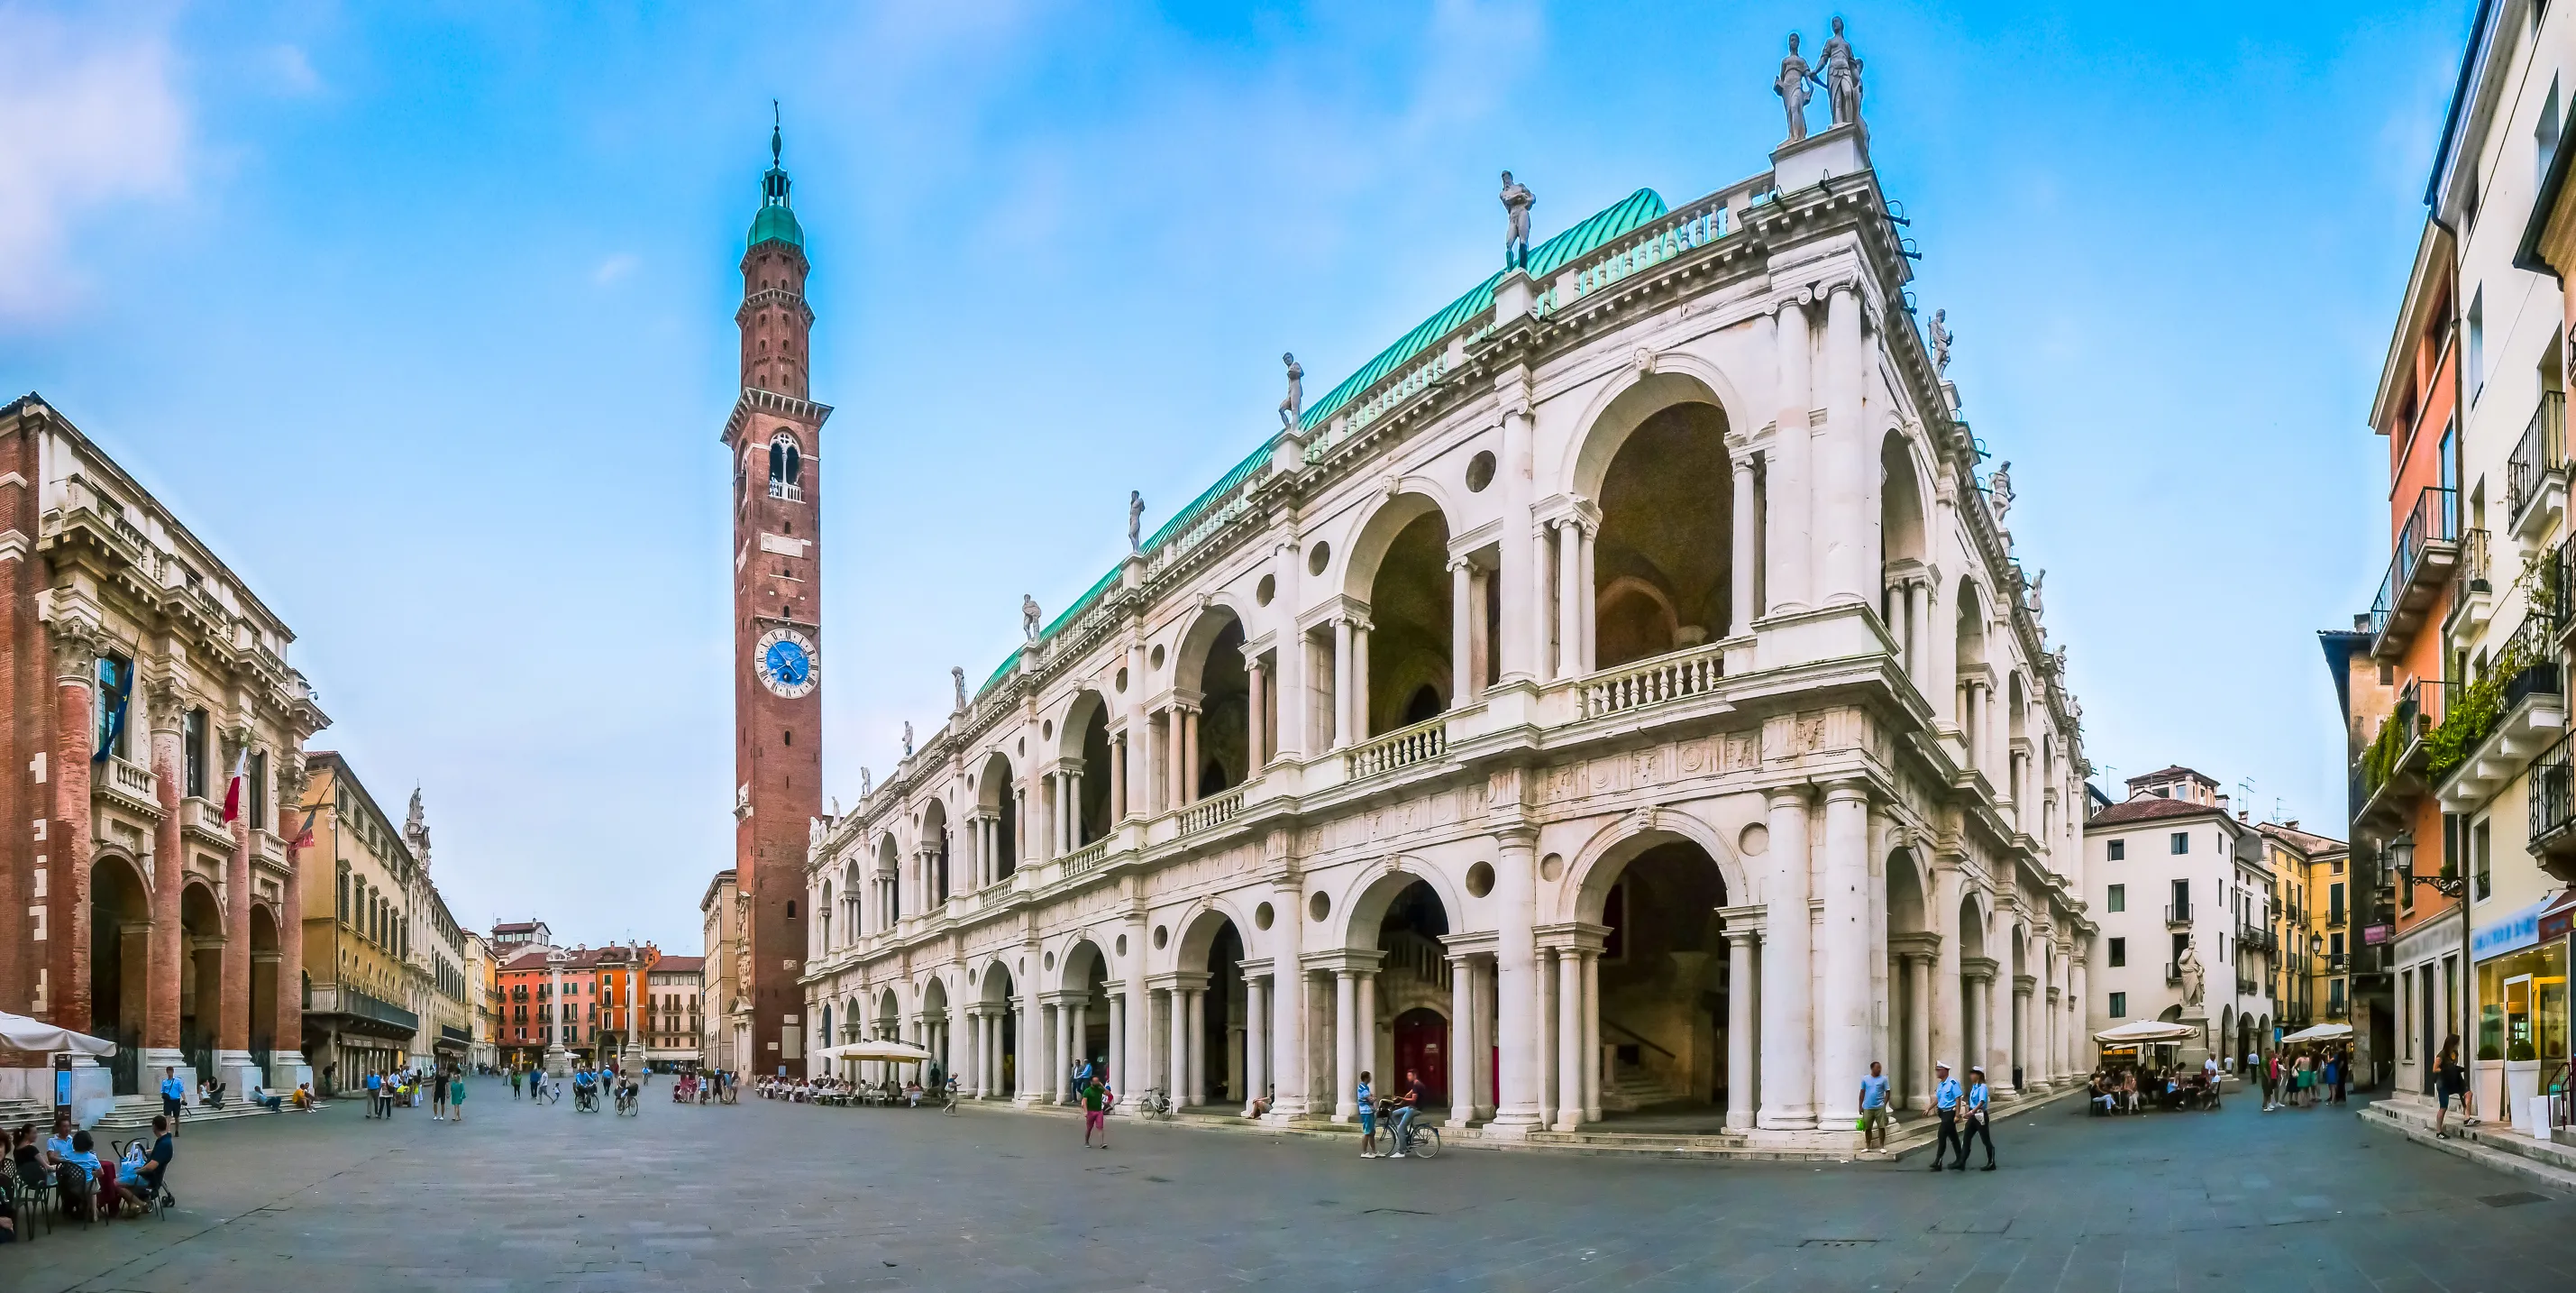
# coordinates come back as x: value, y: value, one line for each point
x: 785, y: 659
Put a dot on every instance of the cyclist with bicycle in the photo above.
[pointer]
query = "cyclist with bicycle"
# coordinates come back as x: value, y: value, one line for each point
x: 1405, y: 1107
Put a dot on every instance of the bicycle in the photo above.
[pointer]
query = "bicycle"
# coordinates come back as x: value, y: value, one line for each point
x: 1412, y: 1138
x: 1154, y: 1104
x: 585, y: 1100
x: 628, y: 1106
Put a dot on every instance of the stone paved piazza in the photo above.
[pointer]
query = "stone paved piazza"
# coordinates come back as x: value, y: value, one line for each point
x: 770, y: 1196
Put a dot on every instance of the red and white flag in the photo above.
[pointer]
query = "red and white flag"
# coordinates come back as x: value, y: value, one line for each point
x: 233, y: 788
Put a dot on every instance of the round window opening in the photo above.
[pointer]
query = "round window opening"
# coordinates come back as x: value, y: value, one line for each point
x: 1318, y: 557
x: 1480, y: 879
x: 1480, y: 472
x: 1047, y: 729
x: 1265, y: 590
x: 1551, y: 866
x: 1319, y: 907
x: 1262, y: 916
x: 1162, y: 935
x: 1022, y: 747
x: 1050, y: 960
x: 1122, y: 682
x: 1122, y: 944
x: 1155, y: 658
x: 1755, y: 841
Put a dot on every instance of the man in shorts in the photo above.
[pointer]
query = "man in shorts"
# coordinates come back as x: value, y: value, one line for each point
x: 1368, y: 1117
x: 1095, y: 1111
x: 1873, y: 1108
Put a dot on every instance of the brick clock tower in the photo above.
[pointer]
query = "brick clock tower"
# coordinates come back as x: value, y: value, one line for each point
x: 775, y: 438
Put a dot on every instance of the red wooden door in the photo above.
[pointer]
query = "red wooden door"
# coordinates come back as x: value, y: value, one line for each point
x: 1422, y: 1046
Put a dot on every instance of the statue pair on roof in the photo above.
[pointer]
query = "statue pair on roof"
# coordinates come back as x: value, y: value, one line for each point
x: 1839, y: 76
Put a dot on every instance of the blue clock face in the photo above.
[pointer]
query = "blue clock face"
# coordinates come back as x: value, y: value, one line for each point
x: 788, y: 663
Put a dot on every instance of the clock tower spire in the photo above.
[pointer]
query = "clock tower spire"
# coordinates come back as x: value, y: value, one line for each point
x: 774, y: 437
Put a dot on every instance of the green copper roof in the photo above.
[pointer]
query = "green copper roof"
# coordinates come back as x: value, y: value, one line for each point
x: 778, y: 223
x: 1639, y: 208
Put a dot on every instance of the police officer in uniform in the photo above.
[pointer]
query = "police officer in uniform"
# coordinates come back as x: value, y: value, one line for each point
x: 1945, y: 1102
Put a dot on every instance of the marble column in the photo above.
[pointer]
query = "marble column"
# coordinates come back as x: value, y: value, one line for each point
x: 1788, y: 972
x: 1516, y: 984
x: 1025, y: 1083
x: 1523, y: 573
x: 1364, y: 1025
x: 1190, y: 755
x: 1466, y: 1057
x: 1176, y: 1046
x: 2022, y: 1056
x: 1850, y: 524
x: 1843, y: 1035
x: 1918, y: 1031
x: 1194, y: 1006
x: 161, y: 1009
x: 1592, y: 1063
x: 1569, y: 1039
x: 1463, y: 623
x: 1081, y: 1032
x: 1346, y: 1064
x: 1344, y: 726
x: 1359, y: 730
x: 1790, y: 482
x: 1745, y: 545
x: 1569, y: 604
x: 1743, y: 1002
x: 1288, y: 1007
x: 1115, y: 1062
x: 1917, y: 624
x: 1257, y: 717
x: 1059, y: 1049
x: 1256, y: 1040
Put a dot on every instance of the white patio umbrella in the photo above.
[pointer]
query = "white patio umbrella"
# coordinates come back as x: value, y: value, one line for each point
x: 33, y: 1035
x: 2145, y: 1032
x: 2320, y: 1033
x: 876, y: 1049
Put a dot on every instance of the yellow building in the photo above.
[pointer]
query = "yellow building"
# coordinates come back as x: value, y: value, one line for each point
x: 357, y: 1016
x: 2320, y: 947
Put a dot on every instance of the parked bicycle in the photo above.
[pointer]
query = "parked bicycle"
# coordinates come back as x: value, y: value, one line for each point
x: 1154, y: 1104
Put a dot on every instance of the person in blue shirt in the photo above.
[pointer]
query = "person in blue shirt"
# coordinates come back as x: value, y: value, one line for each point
x: 174, y: 1094
x: 375, y: 1089
x: 1976, y: 1123
x: 1873, y: 1108
x: 1946, y: 1095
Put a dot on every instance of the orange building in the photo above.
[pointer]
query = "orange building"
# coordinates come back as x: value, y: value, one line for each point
x: 596, y: 1014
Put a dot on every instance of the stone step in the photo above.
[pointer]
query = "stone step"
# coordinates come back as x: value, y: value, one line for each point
x: 2497, y: 1147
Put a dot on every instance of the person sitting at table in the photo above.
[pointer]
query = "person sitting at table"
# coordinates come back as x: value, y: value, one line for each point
x: 2129, y: 1091
x: 83, y: 1184
x: 912, y: 1092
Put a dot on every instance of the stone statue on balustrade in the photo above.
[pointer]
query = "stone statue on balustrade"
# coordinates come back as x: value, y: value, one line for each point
x: 2194, y: 978
x: 1841, y: 77
x: 957, y: 679
x: 907, y: 738
x: 1941, y: 339
x: 1517, y: 201
x: 2032, y: 593
x: 1999, y: 490
x: 1030, y: 622
x: 1292, y: 409
x: 867, y: 783
x: 1791, y: 86
x: 1135, y: 521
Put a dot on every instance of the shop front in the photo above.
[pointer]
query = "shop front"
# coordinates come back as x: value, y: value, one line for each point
x: 2522, y: 1013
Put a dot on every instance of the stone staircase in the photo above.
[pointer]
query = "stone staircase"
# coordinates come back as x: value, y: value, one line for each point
x: 1632, y: 1087
x: 2494, y: 1145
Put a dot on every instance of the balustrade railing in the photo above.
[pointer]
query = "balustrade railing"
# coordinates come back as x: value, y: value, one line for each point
x: 1692, y: 671
x: 1697, y: 225
x: 1214, y: 811
x: 2433, y: 519
x: 133, y: 779
x: 1086, y: 857
x: 1411, y: 382
x: 1401, y: 748
x: 2553, y: 792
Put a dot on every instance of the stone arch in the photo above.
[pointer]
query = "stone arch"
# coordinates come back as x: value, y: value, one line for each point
x: 826, y: 906
x: 1195, y: 929
x: 1909, y: 890
x: 888, y: 889
x: 1904, y: 500
x: 1363, y: 905
x: 852, y: 912
x: 1976, y: 913
x: 1399, y: 568
x: 1658, y: 465
x: 1378, y: 528
x: 935, y: 839
x: 1083, y: 736
x: 1209, y: 663
x: 997, y: 800
x: 201, y: 920
x: 265, y: 962
x: 1628, y: 399
x: 1597, y: 863
x: 120, y: 916
x: 1972, y: 612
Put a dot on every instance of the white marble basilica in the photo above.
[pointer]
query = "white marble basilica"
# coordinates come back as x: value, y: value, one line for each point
x: 1616, y: 700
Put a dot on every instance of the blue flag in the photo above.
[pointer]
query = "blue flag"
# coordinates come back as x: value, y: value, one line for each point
x: 116, y: 687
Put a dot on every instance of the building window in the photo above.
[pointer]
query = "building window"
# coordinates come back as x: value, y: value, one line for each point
x: 2119, y: 952
x: 2181, y: 842
x: 2334, y: 901
x: 2119, y: 897
x: 2119, y: 850
x: 786, y: 469
x: 259, y: 790
x: 2477, y: 351
x: 2119, y: 1005
x: 2544, y: 137
x: 2478, y: 861
x: 192, y: 751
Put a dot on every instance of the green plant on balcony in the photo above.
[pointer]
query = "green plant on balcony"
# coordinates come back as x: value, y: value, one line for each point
x: 2379, y: 762
x: 2475, y: 709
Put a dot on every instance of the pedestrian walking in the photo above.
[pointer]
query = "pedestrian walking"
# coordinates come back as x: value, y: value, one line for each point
x: 456, y: 1097
x: 1873, y: 1109
x: 2342, y: 1074
x: 2270, y: 1069
x: 1095, y: 1111
x: 438, y: 1096
x: 1978, y: 1109
x: 1945, y: 1105
x: 375, y: 1089
x: 1368, y: 1118
x: 2450, y: 1082
x: 174, y: 1094
x: 514, y: 1083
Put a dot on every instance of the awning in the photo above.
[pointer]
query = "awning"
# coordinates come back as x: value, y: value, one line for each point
x: 22, y: 1033
x: 2320, y: 1033
x: 2145, y: 1031
x: 874, y: 1050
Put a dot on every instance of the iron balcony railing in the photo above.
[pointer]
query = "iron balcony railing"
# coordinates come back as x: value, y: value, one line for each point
x: 2553, y: 792
x: 2475, y: 563
x: 2542, y: 450
x: 2433, y: 519
x: 2178, y: 913
x: 2334, y: 963
x: 2537, y: 656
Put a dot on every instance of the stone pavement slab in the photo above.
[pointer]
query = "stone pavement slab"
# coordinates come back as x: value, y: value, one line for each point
x: 771, y: 1196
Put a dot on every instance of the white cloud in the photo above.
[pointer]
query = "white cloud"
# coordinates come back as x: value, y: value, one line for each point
x: 613, y: 268
x: 291, y: 73
x: 90, y: 115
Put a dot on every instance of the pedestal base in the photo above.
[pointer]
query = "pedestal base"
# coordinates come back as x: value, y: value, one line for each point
x: 238, y: 1074
x: 558, y: 1063
x: 287, y: 1071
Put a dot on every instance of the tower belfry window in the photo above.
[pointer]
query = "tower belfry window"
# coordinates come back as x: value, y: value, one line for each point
x: 786, y: 469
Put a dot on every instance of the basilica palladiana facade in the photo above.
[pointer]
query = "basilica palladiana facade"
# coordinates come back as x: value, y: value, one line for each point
x: 1618, y: 700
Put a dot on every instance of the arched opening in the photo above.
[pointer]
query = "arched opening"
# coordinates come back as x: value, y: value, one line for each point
x: 1413, y: 994
x: 823, y: 912
x: 786, y: 469
x: 1663, y: 566
x: 997, y: 814
x: 120, y: 952
x: 1976, y: 970
x: 1217, y: 741
x: 999, y: 1069
x: 1905, y: 579
x: 1086, y: 738
x: 934, y: 1033
x: 1086, y: 1018
x: 852, y: 913
x: 934, y: 842
x: 1911, y: 947
x: 201, y: 937
x: 1209, y: 1015
x: 1410, y: 634
x: 889, y: 882
x: 264, y: 962
x: 2017, y: 1023
x: 1665, y: 984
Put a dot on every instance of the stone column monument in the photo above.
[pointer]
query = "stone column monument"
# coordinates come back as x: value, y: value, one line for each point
x: 558, y: 1064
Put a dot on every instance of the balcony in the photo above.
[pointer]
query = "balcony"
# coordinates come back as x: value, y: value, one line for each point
x: 1692, y: 671
x: 2473, y: 592
x: 2177, y: 914
x: 2535, y: 475
x: 1402, y: 748
x: 2253, y: 939
x: 130, y: 785
x: 1212, y: 812
x: 2501, y: 720
x: 2334, y: 963
x: 2428, y: 549
x: 2553, y: 812
x: 2392, y: 767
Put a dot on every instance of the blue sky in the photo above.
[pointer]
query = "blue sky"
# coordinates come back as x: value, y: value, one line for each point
x: 422, y: 315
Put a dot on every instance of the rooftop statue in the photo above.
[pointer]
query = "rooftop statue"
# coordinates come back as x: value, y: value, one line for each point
x: 907, y: 738
x: 2033, y: 593
x: 1030, y: 623
x: 867, y: 784
x: 1517, y: 201
x: 1999, y: 490
x: 1135, y: 522
x: 1941, y: 339
x: 957, y: 678
x: 1842, y: 77
x: 1292, y: 410
x: 1791, y: 86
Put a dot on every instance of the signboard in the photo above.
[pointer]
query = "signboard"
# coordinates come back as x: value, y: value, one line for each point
x: 2509, y: 933
x: 2556, y: 925
x: 2374, y: 935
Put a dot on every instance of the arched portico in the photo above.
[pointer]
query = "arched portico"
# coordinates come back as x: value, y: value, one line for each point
x: 201, y: 924
x: 264, y: 959
x: 1206, y: 732
x: 1203, y: 1009
x: 993, y: 1024
x: 120, y: 958
x: 1402, y: 658
x: 994, y: 836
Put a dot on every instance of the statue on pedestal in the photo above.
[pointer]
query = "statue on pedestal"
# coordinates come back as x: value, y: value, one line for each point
x: 1135, y: 521
x: 1030, y: 621
x: 1292, y: 409
x: 1842, y: 77
x: 1517, y: 201
x: 1999, y: 490
x: 2194, y: 980
x: 1941, y: 339
x: 907, y: 738
x: 1791, y: 86
x: 957, y: 679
